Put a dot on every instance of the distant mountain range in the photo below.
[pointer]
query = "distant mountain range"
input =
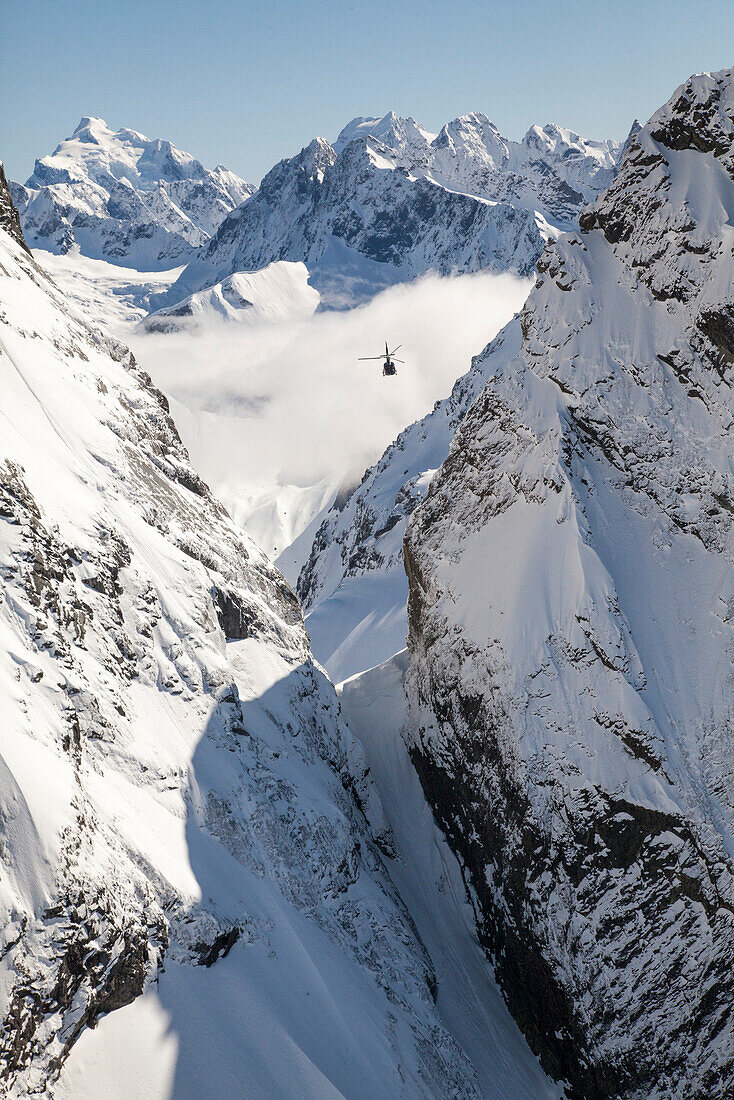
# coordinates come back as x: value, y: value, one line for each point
x: 388, y: 201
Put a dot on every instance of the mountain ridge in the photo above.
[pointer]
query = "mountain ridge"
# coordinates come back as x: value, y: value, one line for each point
x: 184, y: 810
x: 408, y: 202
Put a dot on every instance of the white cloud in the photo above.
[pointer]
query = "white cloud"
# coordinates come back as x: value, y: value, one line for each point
x: 267, y: 406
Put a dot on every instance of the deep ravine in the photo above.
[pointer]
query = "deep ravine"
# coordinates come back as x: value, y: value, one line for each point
x: 499, y: 863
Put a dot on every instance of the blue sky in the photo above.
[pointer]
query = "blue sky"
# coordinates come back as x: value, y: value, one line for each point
x: 248, y: 83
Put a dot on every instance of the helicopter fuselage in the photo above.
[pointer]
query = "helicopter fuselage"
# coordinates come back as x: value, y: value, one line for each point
x: 389, y: 367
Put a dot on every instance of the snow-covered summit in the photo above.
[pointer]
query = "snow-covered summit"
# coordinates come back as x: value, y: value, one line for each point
x: 472, y: 137
x: 118, y: 195
x: 400, y: 134
x: 473, y: 141
x: 471, y: 151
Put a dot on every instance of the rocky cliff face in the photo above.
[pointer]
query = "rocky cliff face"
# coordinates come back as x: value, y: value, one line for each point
x: 181, y: 805
x: 390, y: 194
x: 571, y: 629
x: 119, y: 196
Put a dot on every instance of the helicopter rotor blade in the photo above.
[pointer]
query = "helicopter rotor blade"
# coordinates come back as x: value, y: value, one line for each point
x: 396, y: 349
x: 396, y: 360
x: 365, y: 358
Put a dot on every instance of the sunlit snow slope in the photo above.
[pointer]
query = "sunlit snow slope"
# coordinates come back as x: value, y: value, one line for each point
x: 353, y: 584
x: 278, y: 292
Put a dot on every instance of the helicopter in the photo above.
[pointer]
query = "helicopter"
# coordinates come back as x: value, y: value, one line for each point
x: 388, y: 367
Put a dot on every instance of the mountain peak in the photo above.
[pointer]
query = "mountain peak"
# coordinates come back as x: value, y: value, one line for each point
x: 698, y: 115
x: 316, y: 156
x: 474, y: 118
x: 90, y: 130
x: 90, y: 122
x: 136, y: 201
x: 395, y: 131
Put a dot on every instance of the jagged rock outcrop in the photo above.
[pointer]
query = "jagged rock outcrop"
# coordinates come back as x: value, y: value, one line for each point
x: 9, y: 218
x: 389, y: 200
x: 571, y: 630
x: 178, y: 793
x: 119, y: 196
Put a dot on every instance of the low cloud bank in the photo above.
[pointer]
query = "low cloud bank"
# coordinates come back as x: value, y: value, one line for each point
x: 269, y: 406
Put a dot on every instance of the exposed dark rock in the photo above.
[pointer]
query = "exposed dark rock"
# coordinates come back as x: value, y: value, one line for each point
x: 208, y: 953
x: 718, y: 326
x: 9, y: 217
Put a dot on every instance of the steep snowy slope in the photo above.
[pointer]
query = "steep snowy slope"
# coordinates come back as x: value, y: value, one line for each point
x: 185, y: 851
x: 571, y: 628
x: 119, y: 196
x: 390, y: 201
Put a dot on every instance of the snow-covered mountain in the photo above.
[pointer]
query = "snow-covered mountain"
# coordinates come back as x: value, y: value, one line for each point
x: 205, y: 878
x: 389, y: 201
x: 571, y: 629
x: 119, y: 196
x: 353, y: 585
x: 192, y: 855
